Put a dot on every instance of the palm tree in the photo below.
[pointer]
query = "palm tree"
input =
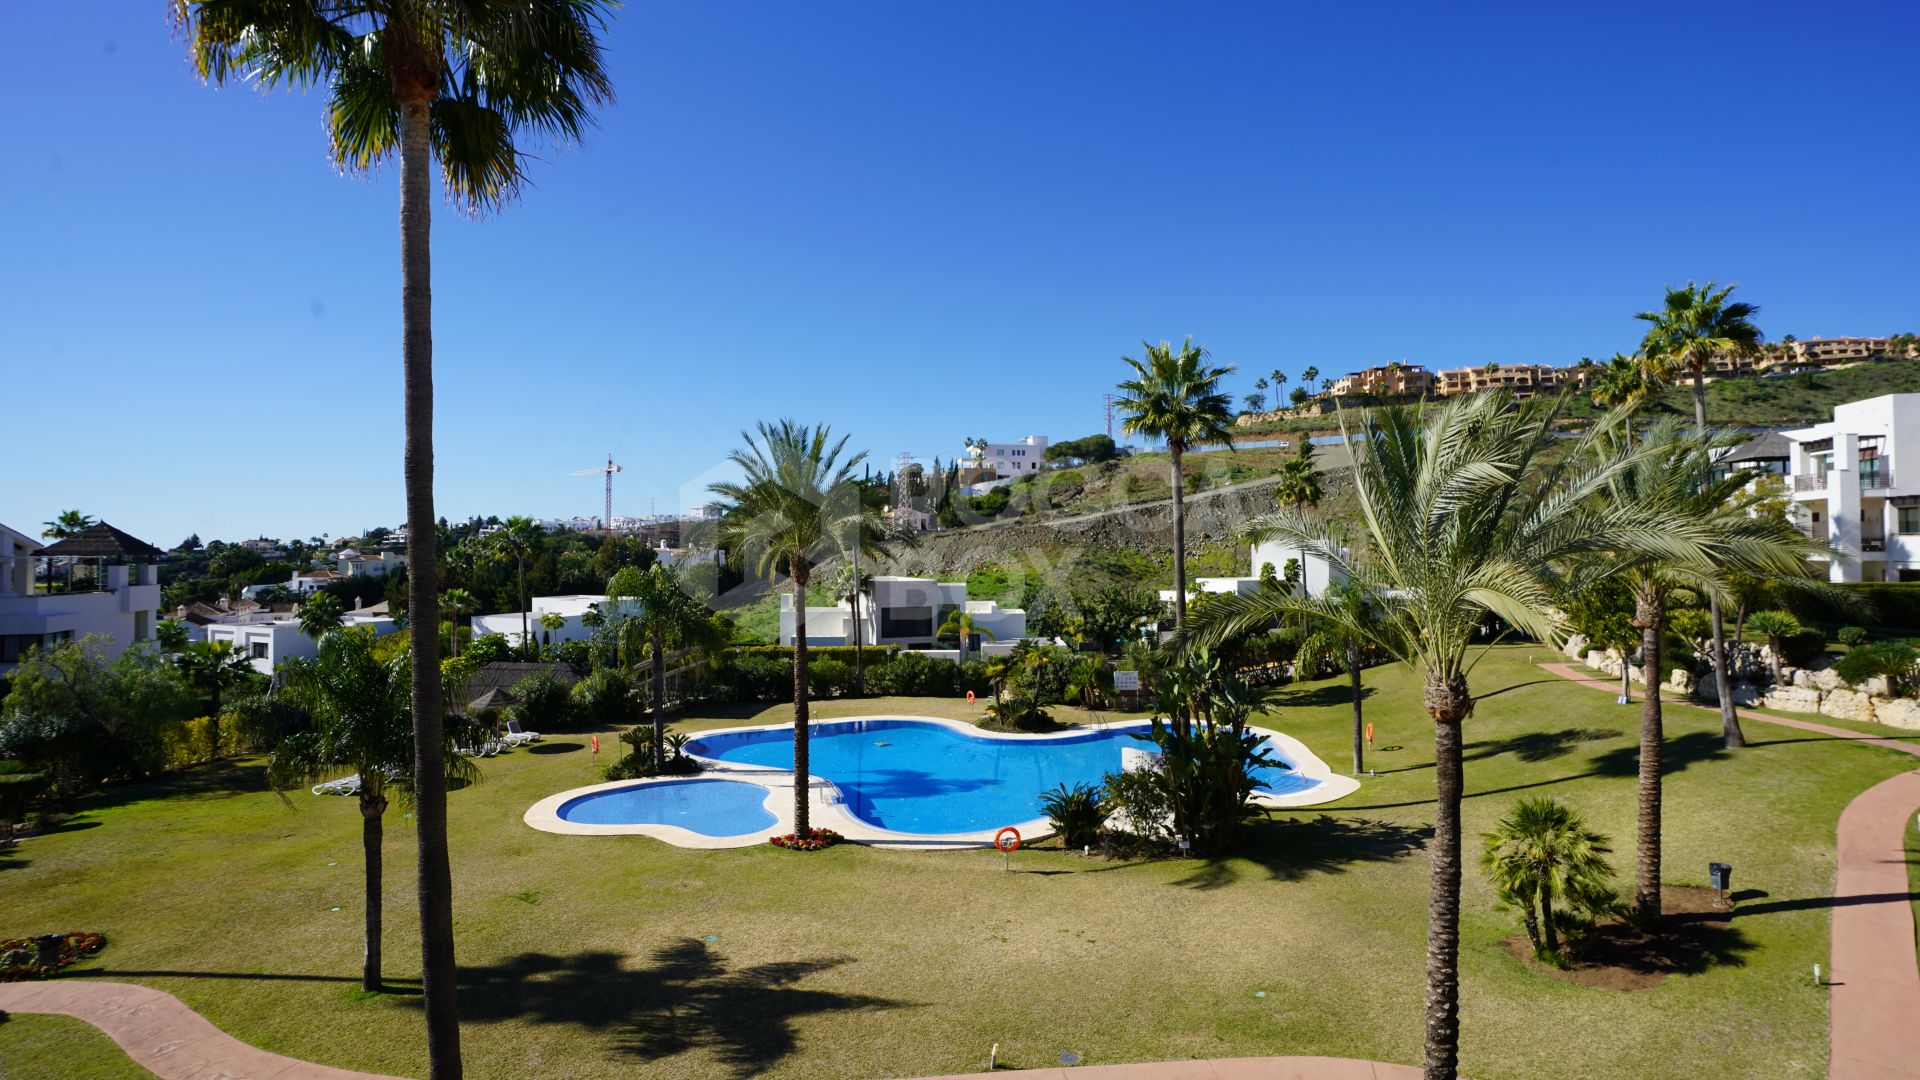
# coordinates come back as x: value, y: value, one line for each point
x: 1671, y: 481
x: 960, y: 624
x: 517, y: 538
x: 319, y: 613
x: 1623, y: 385
x: 363, y: 720
x: 1254, y: 402
x: 1311, y: 376
x: 1177, y: 397
x: 851, y: 583
x: 1299, y: 484
x: 1278, y: 379
x: 457, y: 601
x: 1542, y: 851
x: 69, y: 523
x: 551, y: 623
x: 212, y: 666
x: 1694, y: 325
x: 426, y: 81
x: 1777, y: 626
x: 1469, y: 510
x: 1344, y: 640
x: 668, y: 614
x: 797, y: 504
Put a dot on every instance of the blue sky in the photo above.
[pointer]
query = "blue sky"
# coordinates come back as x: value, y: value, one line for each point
x: 916, y: 222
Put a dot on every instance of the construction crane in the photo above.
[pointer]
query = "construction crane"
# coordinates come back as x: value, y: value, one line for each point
x: 606, y: 523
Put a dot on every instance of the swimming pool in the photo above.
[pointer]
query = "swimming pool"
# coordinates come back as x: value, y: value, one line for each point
x: 925, y: 777
x: 710, y: 807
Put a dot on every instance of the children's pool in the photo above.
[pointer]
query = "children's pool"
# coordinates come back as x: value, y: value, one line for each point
x: 915, y: 776
x: 707, y: 807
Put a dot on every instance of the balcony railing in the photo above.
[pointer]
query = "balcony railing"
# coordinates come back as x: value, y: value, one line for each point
x: 1807, y: 482
x: 1873, y: 543
x: 1876, y: 478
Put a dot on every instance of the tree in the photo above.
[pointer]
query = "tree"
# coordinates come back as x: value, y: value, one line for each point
x: 1891, y: 660
x: 668, y: 614
x: 81, y: 718
x: 1300, y: 396
x: 1344, y: 640
x: 1299, y: 484
x: 1671, y: 483
x: 797, y: 504
x: 515, y: 542
x: 1311, y: 376
x: 172, y: 634
x: 212, y: 667
x: 1468, y: 516
x: 851, y: 584
x: 1694, y: 325
x: 190, y: 544
x: 319, y: 613
x: 69, y: 523
x: 1254, y: 402
x: 1278, y: 379
x: 457, y: 601
x: 457, y: 83
x: 363, y: 719
x: 1542, y: 854
x: 551, y: 623
x: 1776, y: 627
x: 1622, y: 384
x: 960, y: 624
x: 1177, y: 397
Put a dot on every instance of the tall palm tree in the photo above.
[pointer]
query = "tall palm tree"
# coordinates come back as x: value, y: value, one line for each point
x: 1311, y: 376
x: 363, y: 720
x: 960, y: 624
x: 1542, y: 851
x: 1279, y: 379
x: 1299, y: 483
x: 668, y: 615
x: 1623, y: 384
x: 1177, y: 397
x: 1468, y: 517
x: 516, y: 540
x: 457, y: 83
x: 1344, y: 640
x: 1693, y: 325
x: 457, y: 601
x: 68, y: 523
x: 797, y: 504
x: 319, y: 613
x: 212, y: 667
x: 1672, y: 481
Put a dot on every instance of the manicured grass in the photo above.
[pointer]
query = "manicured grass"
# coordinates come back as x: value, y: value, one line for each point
x: 37, y: 1046
x: 589, y: 956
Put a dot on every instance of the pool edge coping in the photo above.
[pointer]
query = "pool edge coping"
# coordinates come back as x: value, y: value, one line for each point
x: 827, y: 805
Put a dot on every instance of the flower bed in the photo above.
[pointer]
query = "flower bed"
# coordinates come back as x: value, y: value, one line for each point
x: 812, y: 841
x: 73, y: 948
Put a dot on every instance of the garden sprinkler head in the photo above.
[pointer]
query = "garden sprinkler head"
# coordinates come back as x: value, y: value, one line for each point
x: 1816, y: 975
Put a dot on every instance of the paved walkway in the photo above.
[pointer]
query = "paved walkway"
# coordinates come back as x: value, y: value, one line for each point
x: 1874, y: 1011
x: 157, y: 1030
x: 1262, y: 1068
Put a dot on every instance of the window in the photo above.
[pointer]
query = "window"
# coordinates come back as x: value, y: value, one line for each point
x: 259, y: 651
x: 913, y: 622
x: 1908, y: 521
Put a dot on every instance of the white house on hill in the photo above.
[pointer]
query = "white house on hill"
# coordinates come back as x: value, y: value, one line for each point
x: 906, y: 611
x: 1315, y: 574
x: 571, y: 609
x: 100, y: 581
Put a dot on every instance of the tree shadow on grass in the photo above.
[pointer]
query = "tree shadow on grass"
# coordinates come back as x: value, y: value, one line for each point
x: 1333, y: 693
x: 686, y: 999
x: 1532, y: 747
x: 1676, y: 756
x: 1293, y: 848
x: 555, y: 748
x: 221, y: 779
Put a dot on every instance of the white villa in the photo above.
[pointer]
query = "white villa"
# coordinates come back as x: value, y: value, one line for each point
x: 1316, y: 574
x: 351, y: 563
x: 101, y: 581
x: 906, y: 611
x: 571, y: 609
x: 271, y: 638
x: 1011, y: 459
x: 1856, y: 484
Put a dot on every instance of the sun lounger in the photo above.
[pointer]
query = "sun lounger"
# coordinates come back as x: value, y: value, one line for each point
x: 346, y: 785
x: 518, y: 736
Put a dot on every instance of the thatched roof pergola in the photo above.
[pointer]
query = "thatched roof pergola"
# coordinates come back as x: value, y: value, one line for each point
x: 102, y: 541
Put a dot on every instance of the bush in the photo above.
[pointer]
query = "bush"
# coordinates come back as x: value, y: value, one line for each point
x: 18, y: 790
x: 1076, y: 813
x: 1852, y: 636
x: 754, y: 677
x: 488, y: 649
x: 1893, y: 660
x: 603, y: 699
x: 543, y: 703
x: 913, y: 674
x: 261, y: 721
x: 828, y: 677
x: 1803, y: 648
x: 1017, y: 711
x: 18, y: 956
x: 1140, y: 803
x: 186, y: 742
x: 639, y: 761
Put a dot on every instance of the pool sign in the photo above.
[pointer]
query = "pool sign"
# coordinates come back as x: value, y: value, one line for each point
x: 1128, y: 681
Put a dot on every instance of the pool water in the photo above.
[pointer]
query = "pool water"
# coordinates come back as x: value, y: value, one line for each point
x: 707, y: 807
x: 916, y: 777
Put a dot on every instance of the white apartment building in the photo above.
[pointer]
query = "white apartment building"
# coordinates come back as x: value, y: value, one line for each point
x: 351, y: 563
x: 1855, y: 483
x: 1316, y: 574
x: 572, y: 611
x: 101, y: 581
x: 906, y: 611
x: 1011, y: 459
x: 270, y: 639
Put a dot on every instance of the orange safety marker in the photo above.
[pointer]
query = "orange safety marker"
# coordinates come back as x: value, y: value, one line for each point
x: 1007, y: 839
x: 969, y: 697
x: 596, y: 741
x: 1369, y: 734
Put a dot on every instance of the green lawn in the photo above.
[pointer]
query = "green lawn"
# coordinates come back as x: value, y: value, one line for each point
x: 597, y: 956
x: 41, y: 1047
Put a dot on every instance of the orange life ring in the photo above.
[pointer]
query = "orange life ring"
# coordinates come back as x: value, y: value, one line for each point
x: 1369, y: 732
x: 596, y: 743
x: 969, y: 697
x: 1000, y: 839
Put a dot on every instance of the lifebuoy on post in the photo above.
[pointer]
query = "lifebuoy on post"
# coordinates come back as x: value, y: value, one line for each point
x: 596, y: 743
x: 1369, y: 732
x: 969, y: 697
x: 1007, y: 839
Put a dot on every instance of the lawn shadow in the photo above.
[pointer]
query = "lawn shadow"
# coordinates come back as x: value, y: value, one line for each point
x: 1676, y: 755
x: 555, y: 748
x: 223, y: 779
x: 1290, y: 849
x: 685, y: 999
x: 1809, y: 903
x: 1531, y: 747
x: 1326, y: 694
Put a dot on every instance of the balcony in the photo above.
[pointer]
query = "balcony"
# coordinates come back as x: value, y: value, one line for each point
x: 1875, y: 479
x: 1873, y: 543
x: 1809, y: 482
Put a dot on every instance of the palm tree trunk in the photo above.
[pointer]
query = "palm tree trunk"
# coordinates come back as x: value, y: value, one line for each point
x: 1449, y: 704
x: 526, y: 631
x: 859, y: 641
x: 1359, y: 720
x: 659, y: 695
x: 1729, y: 714
x: 1179, y: 540
x: 372, y: 832
x: 1549, y: 938
x: 1530, y: 919
x: 415, y: 89
x: 1649, y: 616
x: 802, y: 825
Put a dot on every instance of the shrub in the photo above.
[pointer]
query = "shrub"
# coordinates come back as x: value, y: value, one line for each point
x: 18, y: 790
x: 913, y: 674
x: 603, y: 699
x: 1803, y: 648
x: 754, y: 677
x: 1017, y: 711
x: 639, y: 761
x: 1543, y: 859
x: 1893, y: 660
x: 1139, y: 802
x: 1852, y: 636
x: 260, y: 721
x: 19, y: 956
x: 813, y: 841
x: 828, y: 677
x: 81, y: 718
x: 543, y: 703
x: 1076, y: 813
x: 488, y: 649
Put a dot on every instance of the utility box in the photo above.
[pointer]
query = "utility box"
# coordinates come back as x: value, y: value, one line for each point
x: 1720, y: 875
